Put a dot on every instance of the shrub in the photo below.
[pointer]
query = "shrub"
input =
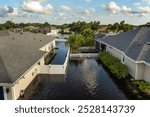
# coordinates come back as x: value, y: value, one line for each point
x: 114, y: 65
x: 142, y: 85
x: 49, y: 56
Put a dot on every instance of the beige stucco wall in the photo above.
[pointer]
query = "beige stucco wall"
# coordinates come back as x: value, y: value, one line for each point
x: 23, y: 83
x: 48, y: 46
x: 114, y: 52
x: 147, y: 74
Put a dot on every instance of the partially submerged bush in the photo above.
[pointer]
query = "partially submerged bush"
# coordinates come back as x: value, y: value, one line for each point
x: 114, y: 65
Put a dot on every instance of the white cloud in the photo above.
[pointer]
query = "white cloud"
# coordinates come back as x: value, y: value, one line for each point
x: 137, y: 4
x: 86, y: 11
x: 35, y: 7
x: 93, y: 10
x: 26, y: 14
x: 61, y: 14
x: 88, y: 0
x: 8, y: 11
x: 112, y: 7
x: 145, y: 10
x: 37, y: 0
x: 66, y: 8
x: 125, y: 10
x: 14, y: 13
x: 89, y: 11
x: 148, y: 1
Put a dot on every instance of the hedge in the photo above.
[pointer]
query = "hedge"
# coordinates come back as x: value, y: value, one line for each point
x: 114, y: 65
x: 49, y: 56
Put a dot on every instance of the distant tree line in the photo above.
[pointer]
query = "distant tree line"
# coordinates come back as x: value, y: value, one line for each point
x: 119, y: 27
x: 78, y: 27
x: 9, y: 25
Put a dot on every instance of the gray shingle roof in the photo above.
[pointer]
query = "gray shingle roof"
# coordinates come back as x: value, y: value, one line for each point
x: 132, y: 43
x: 18, y: 52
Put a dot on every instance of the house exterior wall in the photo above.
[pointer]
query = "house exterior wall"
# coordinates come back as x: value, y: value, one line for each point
x: 48, y: 47
x: 24, y: 82
x: 114, y: 52
x: 140, y: 71
x: 131, y: 65
x: 147, y: 74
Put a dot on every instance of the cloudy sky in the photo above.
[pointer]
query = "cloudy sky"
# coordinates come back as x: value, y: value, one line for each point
x: 67, y: 11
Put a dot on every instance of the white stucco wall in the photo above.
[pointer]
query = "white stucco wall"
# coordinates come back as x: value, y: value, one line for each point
x: 140, y: 71
x: 131, y: 66
x: 128, y: 62
x: 147, y: 74
x: 114, y: 52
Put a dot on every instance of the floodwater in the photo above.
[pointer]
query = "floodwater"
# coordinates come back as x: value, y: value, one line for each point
x: 85, y: 80
x: 61, y: 53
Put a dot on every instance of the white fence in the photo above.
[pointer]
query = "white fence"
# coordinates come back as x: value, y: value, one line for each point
x: 82, y: 55
x: 55, y: 69
x: 62, y: 40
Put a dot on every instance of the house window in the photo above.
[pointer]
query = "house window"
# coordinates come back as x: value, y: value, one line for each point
x: 123, y: 59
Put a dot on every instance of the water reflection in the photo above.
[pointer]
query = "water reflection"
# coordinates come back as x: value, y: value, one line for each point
x: 61, y: 53
x: 89, y: 78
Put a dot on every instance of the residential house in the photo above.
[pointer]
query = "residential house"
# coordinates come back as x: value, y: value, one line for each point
x: 21, y: 56
x: 54, y: 31
x: 132, y: 48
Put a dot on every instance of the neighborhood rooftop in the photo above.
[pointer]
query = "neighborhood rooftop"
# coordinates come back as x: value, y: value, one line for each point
x: 133, y: 43
x: 18, y: 52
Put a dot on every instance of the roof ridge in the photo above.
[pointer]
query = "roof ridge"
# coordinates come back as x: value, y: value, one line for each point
x: 139, y: 33
x: 141, y: 52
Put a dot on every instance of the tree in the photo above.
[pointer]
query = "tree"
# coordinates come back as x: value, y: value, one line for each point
x: 95, y: 25
x: 76, y: 41
x: 119, y: 27
x: 9, y: 25
x: 89, y: 37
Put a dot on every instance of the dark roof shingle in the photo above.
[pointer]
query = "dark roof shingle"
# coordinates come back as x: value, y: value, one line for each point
x: 18, y: 52
x: 132, y: 43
